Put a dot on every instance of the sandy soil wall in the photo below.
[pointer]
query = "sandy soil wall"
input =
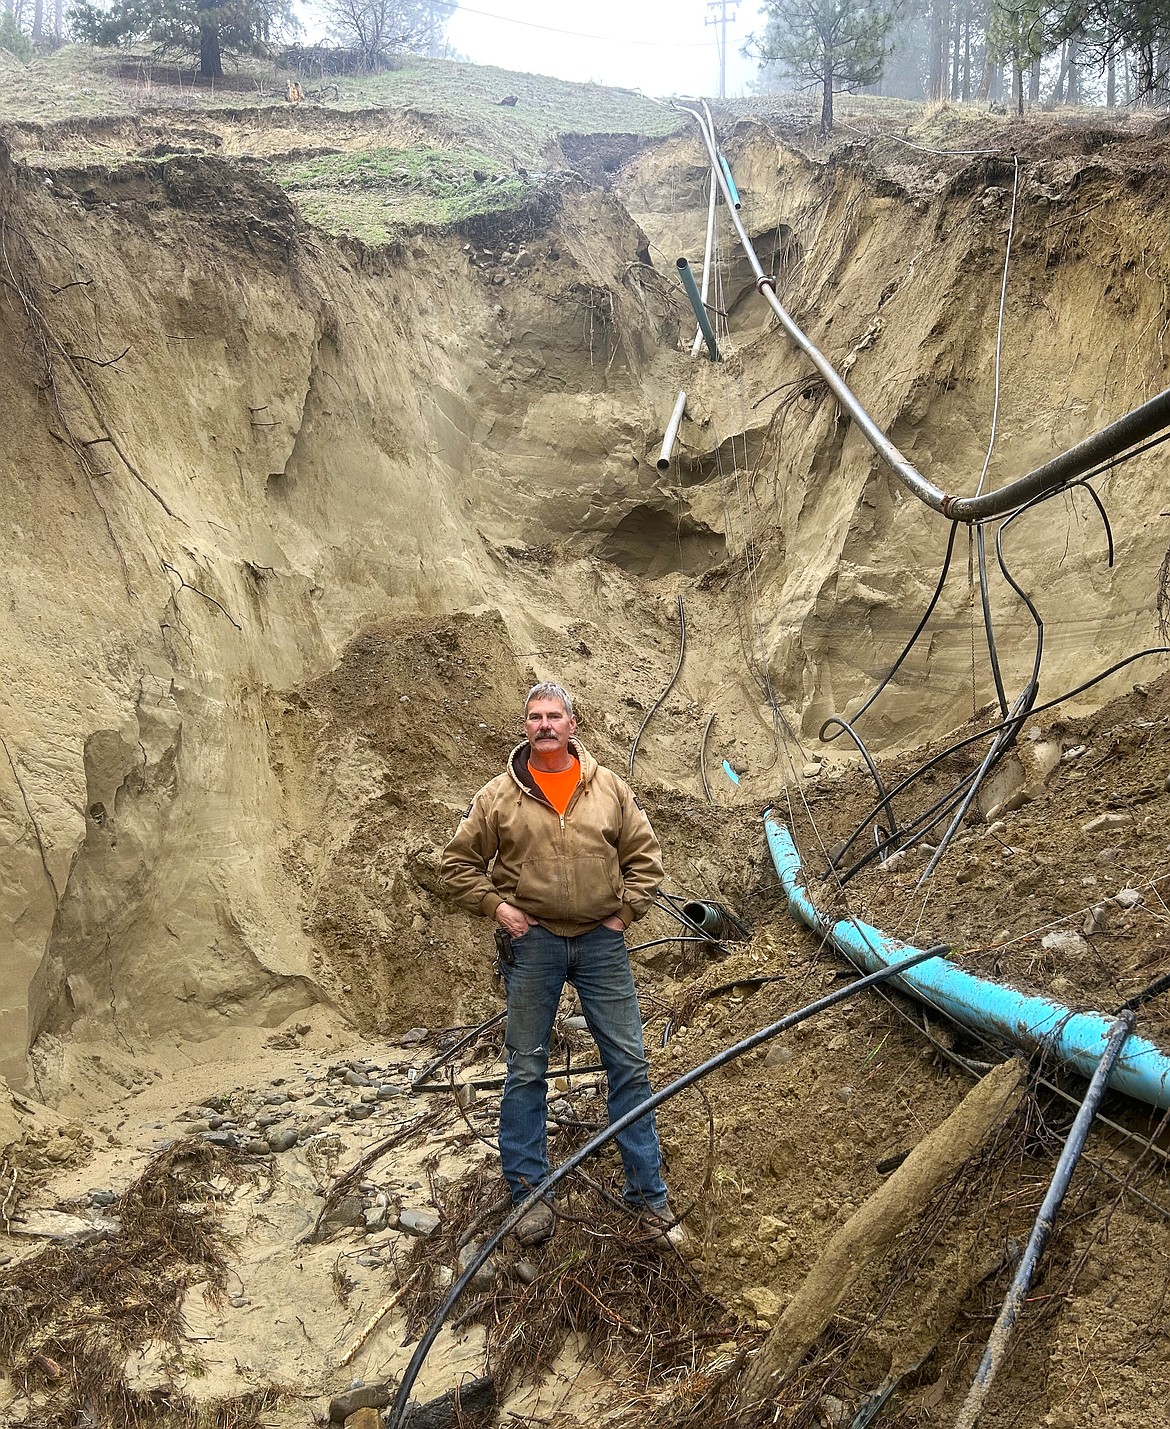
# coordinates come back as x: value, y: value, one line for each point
x: 228, y: 549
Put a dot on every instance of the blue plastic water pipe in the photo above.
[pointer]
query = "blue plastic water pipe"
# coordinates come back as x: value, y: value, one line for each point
x: 726, y: 167
x: 1079, y: 1039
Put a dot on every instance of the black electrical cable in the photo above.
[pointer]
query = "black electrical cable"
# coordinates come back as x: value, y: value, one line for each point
x: 913, y: 829
x: 988, y: 628
x: 884, y: 804
x: 1013, y: 724
x: 398, y: 1409
x: 678, y: 938
x: 457, y: 1047
x: 682, y: 650
x: 929, y: 611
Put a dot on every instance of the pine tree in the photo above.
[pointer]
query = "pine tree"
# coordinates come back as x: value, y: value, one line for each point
x: 832, y: 44
x: 199, y: 27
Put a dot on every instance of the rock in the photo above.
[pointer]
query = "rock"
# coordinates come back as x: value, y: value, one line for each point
x: 765, y: 1304
x: 369, y: 1095
x: 255, y: 1147
x: 1107, y: 821
x: 1065, y: 943
x: 811, y: 771
x: 834, y: 1413
x: 283, y: 1140
x: 1097, y: 918
x: 575, y: 1023
x: 355, y: 1079
x: 387, y: 1091
x: 465, y: 1094
x: 363, y: 1419
x: 375, y: 1219
x: 1126, y: 898
x: 1074, y: 753
x: 413, y: 1037
x: 358, y: 1111
x: 1166, y: 784
x: 276, y: 1099
x: 349, y: 1212
x: 485, y: 1277
x: 525, y: 1272
x: 418, y: 1221
x: 228, y: 1140
x: 102, y: 1198
x: 376, y: 1395
x: 778, y: 1056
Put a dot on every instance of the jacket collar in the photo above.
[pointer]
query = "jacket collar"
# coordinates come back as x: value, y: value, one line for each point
x: 518, y: 767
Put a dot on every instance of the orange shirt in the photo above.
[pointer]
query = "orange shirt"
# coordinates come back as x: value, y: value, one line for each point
x: 557, y: 788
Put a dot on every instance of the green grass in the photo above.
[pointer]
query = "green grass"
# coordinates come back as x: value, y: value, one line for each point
x: 468, y: 98
x: 373, y: 193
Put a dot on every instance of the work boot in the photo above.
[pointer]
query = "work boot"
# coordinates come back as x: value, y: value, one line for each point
x: 535, y: 1226
x: 665, y: 1228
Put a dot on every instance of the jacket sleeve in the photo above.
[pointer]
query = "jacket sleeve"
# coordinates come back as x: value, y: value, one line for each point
x: 464, y: 865
x: 639, y: 858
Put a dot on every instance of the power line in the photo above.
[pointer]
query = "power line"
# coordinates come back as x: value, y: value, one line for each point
x: 580, y: 35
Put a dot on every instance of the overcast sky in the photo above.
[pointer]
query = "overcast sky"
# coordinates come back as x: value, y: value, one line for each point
x: 660, y: 46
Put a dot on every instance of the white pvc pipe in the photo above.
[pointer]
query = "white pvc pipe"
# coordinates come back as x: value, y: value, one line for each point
x: 705, y: 286
x: 671, y: 436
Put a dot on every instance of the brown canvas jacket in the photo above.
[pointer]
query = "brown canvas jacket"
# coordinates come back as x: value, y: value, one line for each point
x: 568, y: 873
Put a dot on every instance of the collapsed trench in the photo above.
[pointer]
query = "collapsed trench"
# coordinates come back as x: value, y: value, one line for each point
x: 546, y: 583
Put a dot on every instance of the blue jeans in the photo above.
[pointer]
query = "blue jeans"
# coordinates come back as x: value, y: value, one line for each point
x: 598, y: 967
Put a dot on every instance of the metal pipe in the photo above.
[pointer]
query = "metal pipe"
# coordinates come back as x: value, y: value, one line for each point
x: 1134, y: 427
x: 726, y: 167
x: 997, y: 1344
x: 747, y: 1044
x: 1127, y: 431
x: 688, y: 282
x: 1023, y: 1019
x: 671, y: 436
x: 908, y: 474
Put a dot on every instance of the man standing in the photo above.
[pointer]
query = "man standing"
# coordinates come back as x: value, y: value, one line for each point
x: 559, y: 852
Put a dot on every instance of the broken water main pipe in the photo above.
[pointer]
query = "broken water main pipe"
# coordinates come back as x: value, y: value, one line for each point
x: 398, y: 1409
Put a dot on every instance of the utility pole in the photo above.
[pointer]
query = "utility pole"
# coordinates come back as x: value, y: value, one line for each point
x: 718, y: 17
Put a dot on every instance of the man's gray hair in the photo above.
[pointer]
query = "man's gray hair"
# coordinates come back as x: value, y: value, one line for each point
x: 549, y: 690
